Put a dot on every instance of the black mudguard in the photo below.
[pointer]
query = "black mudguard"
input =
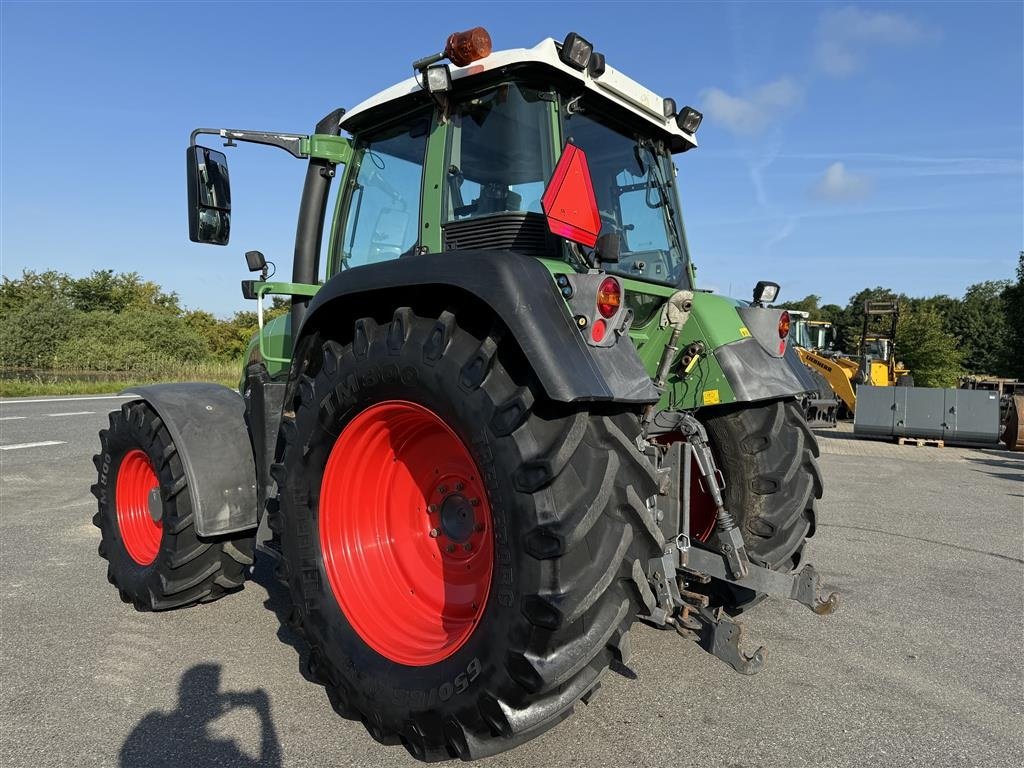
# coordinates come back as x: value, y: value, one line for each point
x: 756, y: 374
x: 207, y: 424
x: 521, y: 292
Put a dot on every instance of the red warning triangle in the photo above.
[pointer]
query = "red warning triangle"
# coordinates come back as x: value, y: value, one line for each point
x: 569, y: 202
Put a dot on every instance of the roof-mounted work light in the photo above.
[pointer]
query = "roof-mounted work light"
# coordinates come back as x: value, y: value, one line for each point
x: 437, y: 78
x: 765, y: 292
x: 689, y: 120
x: 576, y: 51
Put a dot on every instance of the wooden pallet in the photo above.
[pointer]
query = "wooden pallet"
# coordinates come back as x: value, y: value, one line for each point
x: 920, y: 441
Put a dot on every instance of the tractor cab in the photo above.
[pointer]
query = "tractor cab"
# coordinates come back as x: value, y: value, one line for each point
x: 482, y: 141
x: 878, y: 348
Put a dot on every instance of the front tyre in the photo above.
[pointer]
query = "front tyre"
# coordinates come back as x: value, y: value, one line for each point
x: 155, y: 560
x: 769, y: 458
x: 460, y: 551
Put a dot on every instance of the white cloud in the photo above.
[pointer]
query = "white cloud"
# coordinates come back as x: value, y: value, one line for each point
x: 754, y: 111
x: 846, y: 34
x: 838, y: 184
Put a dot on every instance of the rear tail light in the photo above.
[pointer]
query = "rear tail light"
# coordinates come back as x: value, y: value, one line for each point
x: 598, y: 330
x: 609, y: 297
x: 784, y: 325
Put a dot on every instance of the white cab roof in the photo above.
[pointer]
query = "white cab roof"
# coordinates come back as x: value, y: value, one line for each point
x: 611, y: 84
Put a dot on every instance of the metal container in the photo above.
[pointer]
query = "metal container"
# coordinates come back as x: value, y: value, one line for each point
x: 953, y: 415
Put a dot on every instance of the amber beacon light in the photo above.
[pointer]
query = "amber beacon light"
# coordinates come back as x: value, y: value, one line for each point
x: 466, y: 47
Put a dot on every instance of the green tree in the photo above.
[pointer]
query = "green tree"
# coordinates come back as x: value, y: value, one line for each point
x: 980, y: 324
x: 48, y: 287
x: 807, y: 304
x: 927, y: 349
x: 1013, y: 314
x: 115, y: 292
x: 831, y: 313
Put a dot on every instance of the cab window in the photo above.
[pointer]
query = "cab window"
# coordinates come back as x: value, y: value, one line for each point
x: 383, y: 200
x: 499, y: 153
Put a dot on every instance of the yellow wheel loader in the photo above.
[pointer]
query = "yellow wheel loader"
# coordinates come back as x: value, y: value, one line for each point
x: 875, y: 363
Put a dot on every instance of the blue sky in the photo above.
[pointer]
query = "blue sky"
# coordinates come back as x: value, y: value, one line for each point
x: 843, y: 146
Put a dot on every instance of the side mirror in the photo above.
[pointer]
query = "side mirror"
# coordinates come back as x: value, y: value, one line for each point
x: 209, y: 196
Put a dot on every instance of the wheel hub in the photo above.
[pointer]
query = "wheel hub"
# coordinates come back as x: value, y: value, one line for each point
x: 457, y: 521
x: 156, y: 506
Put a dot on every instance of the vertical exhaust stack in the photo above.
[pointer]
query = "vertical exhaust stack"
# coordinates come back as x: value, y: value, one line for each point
x: 310, y: 228
x: 309, y: 233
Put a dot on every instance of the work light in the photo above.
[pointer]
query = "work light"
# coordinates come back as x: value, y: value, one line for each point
x: 689, y: 120
x: 437, y: 78
x: 576, y: 51
x: 765, y: 292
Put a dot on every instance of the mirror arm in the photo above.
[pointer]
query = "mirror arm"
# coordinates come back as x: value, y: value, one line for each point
x: 289, y: 142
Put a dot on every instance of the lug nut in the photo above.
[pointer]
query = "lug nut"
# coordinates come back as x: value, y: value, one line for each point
x: 474, y: 502
x: 432, y: 508
x: 459, y: 486
x: 450, y: 548
x: 442, y: 489
x: 467, y: 546
x: 478, y: 527
x: 434, y: 533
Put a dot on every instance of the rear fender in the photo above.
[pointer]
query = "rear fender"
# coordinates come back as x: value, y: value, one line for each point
x: 207, y: 424
x: 743, y: 360
x: 519, y: 290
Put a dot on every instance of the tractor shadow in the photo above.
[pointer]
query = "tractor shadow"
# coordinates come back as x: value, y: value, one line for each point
x: 993, y: 464
x: 279, y: 602
x: 188, y: 735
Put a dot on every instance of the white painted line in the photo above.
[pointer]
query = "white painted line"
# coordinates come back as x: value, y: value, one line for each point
x: 17, y: 446
x: 70, y: 413
x: 12, y: 418
x: 18, y: 400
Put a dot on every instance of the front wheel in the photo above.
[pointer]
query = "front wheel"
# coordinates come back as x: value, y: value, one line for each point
x: 155, y: 560
x: 769, y: 459
x: 460, y: 551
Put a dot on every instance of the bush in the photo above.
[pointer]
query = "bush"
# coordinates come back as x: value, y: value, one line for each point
x: 31, y: 333
x: 135, y: 340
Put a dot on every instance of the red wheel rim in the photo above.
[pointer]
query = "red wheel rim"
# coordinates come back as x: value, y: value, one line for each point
x: 140, y: 533
x: 406, y: 533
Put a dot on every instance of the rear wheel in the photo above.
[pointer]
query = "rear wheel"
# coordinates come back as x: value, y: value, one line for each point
x: 768, y: 457
x: 145, y: 518
x: 459, y: 550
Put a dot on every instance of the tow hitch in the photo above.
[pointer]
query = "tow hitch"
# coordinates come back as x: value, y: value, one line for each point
x: 684, y: 564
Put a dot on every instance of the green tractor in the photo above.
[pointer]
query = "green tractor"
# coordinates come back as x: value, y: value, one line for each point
x: 504, y: 427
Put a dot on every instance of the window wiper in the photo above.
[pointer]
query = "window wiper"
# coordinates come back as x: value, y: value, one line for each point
x: 654, y: 174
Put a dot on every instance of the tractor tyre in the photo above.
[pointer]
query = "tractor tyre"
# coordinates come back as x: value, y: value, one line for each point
x: 155, y: 560
x: 768, y: 456
x: 464, y: 556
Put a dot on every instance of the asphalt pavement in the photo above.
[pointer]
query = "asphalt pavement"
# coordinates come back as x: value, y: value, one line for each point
x: 921, y: 665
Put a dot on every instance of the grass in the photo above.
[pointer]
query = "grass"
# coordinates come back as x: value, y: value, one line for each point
x: 22, y: 384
